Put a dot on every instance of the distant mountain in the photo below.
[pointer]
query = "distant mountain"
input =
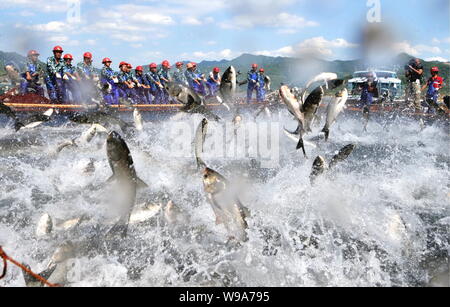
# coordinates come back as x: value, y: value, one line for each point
x: 296, y: 71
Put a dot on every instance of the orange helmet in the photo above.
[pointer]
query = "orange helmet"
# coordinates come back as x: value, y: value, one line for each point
x: 261, y: 70
x: 87, y: 55
x: 58, y: 49
x: 32, y: 52
x: 254, y: 65
x: 189, y: 65
x: 68, y: 56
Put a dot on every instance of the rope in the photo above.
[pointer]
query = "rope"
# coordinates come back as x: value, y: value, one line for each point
x: 6, y: 258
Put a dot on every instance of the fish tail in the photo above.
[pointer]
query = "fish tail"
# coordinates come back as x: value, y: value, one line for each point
x: 301, y: 145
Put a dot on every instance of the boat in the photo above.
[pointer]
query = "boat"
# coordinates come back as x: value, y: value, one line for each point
x: 31, y: 103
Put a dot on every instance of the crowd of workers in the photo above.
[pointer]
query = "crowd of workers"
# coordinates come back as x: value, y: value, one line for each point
x: 67, y: 83
x: 414, y: 73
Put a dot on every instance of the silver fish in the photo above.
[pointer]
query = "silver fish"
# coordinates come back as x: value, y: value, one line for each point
x: 335, y: 107
x: 226, y: 206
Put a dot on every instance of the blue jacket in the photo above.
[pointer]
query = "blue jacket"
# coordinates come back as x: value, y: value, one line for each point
x: 53, y: 67
x: 123, y: 77
x: 142, y: 79
x: 107, y: 74
x: 152, y: 78
x: 261, y: 80
x: 85, y: 70
x: 252, y: 76
x: 179, y: 76
x: 163, y: 73
x: 32, y: 68
x: 68, y: 69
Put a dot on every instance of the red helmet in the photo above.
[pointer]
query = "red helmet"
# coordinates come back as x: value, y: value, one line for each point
x: 58, y: 49
x: 254, y: 65
x: 165, y: 63
x: 32, y: 52
x: 68, y: 56
x: 153, y: 65
x: 179, y: 64
x: 106, y: 60
x: 194, y: 64
x: 261, y: 70
x: 87, y: 55
x: 122, y: 63
x: 129, y: 65
x: 216, y: 69
x: 434, y: 69
x: 139, y: 68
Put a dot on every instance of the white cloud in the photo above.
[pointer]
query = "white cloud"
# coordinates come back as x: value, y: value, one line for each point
x: 316, y: 46
x: 226, y: 54
x: 91, y: 42
x: 52, y: 27
x: 285, y: 23
x: 319, y: 46
x: 429, y: 49
x: 63, y: 40
x: 438, y: 59
x: 193, y: 21
x: 287, y: 51
x: 435, y: 41
x: 416, y: 50
x: 128, y: 37
x: 26, y: 13
x: 131, y: 23
x: 40, y: 5
x: 136, y: 14
x: 406, y: 48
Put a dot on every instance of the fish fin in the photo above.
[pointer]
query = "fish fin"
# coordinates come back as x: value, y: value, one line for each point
x: 302, y: 146
x: 327, y: 133
x: 18, y: 125
x: 30, y: 281
x: 141, y: 183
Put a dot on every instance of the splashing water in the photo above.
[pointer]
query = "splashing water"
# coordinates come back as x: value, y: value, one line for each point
x: 377, y: 219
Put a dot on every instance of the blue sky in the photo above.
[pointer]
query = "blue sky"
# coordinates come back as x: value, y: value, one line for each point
x: 144, y: 31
